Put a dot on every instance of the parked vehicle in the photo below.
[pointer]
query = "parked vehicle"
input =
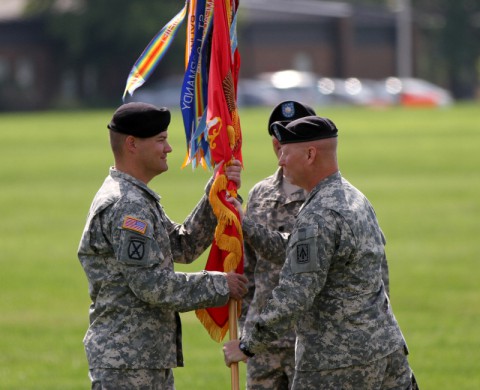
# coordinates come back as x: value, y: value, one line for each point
x: 293, y: 85
x: 256, y: 92
x: 417, y: 92
x: 268, y: 89
x: 351, y: 91
x: 384, y: 92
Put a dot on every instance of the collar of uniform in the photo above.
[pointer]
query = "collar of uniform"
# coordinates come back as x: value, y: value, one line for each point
x: 278, y: 177
x: 115, y: 173
x: 321, y: 184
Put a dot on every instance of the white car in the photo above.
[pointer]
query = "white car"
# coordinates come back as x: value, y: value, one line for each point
x: 417, y: 92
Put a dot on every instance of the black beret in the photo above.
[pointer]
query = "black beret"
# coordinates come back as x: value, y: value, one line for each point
x: 140, y: 119
x: 289, y: 111
x: 309, y: 128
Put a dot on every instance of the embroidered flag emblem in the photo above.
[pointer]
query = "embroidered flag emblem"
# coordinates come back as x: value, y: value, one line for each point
x: 134, y: 224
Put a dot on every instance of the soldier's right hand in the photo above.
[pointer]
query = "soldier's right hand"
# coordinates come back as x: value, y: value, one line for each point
x: 237, y: 283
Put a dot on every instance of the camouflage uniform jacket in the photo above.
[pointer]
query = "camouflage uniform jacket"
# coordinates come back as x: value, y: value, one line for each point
x: 268, y: 204
x: 331, y: 285
x: 127, y: 252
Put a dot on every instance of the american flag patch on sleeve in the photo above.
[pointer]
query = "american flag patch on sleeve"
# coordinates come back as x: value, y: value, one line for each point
x: 134, y: 224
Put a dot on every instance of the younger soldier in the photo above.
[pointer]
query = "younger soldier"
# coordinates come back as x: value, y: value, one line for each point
x: 127, y: 251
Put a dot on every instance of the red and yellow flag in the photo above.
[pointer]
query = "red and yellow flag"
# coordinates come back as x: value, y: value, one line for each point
x: 225, y: 141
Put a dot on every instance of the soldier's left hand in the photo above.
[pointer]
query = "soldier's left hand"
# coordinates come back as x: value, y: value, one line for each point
x: 232, y: 353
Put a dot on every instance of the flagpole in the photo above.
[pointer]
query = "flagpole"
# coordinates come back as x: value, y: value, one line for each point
x: 233, y: 333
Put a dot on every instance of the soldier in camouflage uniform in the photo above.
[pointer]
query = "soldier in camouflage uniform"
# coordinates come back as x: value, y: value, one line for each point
x: 127, y: 251
x: 331, y: 287
x: 273, y: 202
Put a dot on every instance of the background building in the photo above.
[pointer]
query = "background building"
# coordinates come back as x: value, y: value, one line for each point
x: 328, y: 39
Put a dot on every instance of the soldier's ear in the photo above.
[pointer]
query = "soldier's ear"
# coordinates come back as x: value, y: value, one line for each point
x: 130, y: 143
x: 311, y: 153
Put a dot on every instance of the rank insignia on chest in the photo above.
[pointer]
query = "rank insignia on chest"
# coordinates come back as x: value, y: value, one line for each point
x: 303, y: 253
x: 134, y: 224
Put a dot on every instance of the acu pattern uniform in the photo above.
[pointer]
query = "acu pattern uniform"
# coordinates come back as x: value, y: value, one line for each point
x: 269, y: 205
x: 274, y: 203
x: 330, y: 288
x: 331, y: 285
x: 127, y: 251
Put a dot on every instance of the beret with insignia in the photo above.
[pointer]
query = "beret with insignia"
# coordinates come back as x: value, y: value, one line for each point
x: 288, y: 111
x: 305, y: 129
x: 140, y: 119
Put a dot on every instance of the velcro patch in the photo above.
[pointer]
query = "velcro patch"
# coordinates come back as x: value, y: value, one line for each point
x: 136, y: 249
x: 134, y: 224
x: 303, y: 253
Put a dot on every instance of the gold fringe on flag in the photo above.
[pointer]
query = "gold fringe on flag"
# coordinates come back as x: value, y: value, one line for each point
x: 216, y: 332
x: 225, y: 217
x: 227, y: 243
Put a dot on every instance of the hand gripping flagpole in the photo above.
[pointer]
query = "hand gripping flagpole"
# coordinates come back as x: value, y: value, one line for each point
x: 225, y: 141
x: 232, y: 305
x: 213, y: 134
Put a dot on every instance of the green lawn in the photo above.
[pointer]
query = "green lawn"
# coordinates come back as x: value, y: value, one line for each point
x: 418, y: 167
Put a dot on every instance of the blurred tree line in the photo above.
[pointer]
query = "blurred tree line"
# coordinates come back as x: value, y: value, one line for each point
x: 107, y: 36
x: 452, y: 29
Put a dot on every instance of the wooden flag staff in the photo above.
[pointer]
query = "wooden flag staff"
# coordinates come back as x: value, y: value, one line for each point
x: 233, y: 334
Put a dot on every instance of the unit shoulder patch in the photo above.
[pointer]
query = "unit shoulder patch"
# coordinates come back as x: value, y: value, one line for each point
x: 135, y: 249
x: 303, y: 252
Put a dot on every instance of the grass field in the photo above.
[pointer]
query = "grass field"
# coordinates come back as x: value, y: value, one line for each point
x: 419, y: 168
